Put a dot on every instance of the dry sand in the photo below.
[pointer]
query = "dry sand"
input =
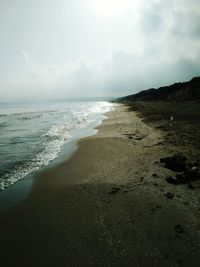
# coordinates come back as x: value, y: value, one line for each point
x: 106, y: 206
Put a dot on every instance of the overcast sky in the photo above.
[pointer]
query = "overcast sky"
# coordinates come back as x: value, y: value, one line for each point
x: 86, y: 48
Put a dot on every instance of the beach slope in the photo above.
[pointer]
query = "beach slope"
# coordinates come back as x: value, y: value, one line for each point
x: 108, y: 205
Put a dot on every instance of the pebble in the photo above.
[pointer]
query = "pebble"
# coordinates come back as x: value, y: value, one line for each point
x: 178, y: 229
x: 155, y: 175
x: 169, y: 195
x: 114, y: 190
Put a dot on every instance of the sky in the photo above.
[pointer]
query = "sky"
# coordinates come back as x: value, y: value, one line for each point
x: 65, y: 49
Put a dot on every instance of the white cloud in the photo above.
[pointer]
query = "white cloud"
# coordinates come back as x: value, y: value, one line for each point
x: 25, y: 56
x: 143, y: 44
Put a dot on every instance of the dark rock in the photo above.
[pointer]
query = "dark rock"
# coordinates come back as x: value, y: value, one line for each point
x: 195, y: 164
x: 184, y: 178
x: 171, y: 180
x: 179, y: 228
x: 190, y: 186
x: 139, y: 138
x: 187, y: 177
x: 193, y: 175
x: 169, y: 195
x: 114, y: 190
x: 126, y: 191
x: 195, y: 169
x: 175, y: 163
x: 155, y: 175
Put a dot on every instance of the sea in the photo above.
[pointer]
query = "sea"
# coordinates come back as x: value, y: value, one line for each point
x: 34, y: 135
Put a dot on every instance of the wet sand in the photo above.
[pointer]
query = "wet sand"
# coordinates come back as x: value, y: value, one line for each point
x: 108, y: 205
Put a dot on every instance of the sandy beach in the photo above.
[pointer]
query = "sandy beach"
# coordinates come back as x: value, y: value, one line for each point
x: 108, y: 205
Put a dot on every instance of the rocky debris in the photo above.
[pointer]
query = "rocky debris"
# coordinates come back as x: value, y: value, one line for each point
x: 169, y: 195
x: 184, y: 178
x: 178, y: 163
x: 194, y: 165
x: 179, y: 229
x: 114, y: 190
x: 175, y: 163
x: 188, y: 176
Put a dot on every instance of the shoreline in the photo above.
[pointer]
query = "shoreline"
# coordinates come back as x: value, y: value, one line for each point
x: 106, y: 205
x: 20, y: 190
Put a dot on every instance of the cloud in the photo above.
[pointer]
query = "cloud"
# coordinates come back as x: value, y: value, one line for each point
x: 123, y: 73
x: 150, y: 44
x: 172, y: 28
x: 25, y: 56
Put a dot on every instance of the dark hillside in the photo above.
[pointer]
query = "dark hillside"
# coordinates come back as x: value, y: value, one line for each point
x: 185, y: 91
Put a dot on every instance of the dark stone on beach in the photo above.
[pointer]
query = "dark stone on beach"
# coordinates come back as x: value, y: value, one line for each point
x: 187, y: 177
x: 114, y: 190
x: 126, y: 191
x: 166, y: 256
x: 193, y: 175
x: 155, y: 175
x: 184, y: 178
x: 139, y: 138
x: 181, y: 179
x: 171, y: 180
x: 169, y: 195
x: 192, y: 165
x: 178, y: 229
x: 175, y: 163
x: 190, y: 186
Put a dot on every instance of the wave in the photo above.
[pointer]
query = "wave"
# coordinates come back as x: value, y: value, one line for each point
x: 58, y: 132
x: 3, y: 124
x: 48, y: 136
x: 56, y: 137
x: 32, y: 114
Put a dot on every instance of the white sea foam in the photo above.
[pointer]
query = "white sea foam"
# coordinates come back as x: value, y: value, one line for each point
x: 58, y: 132
x: 59, y: 123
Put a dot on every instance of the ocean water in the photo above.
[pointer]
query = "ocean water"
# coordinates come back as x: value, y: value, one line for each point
x: 32, y: 136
